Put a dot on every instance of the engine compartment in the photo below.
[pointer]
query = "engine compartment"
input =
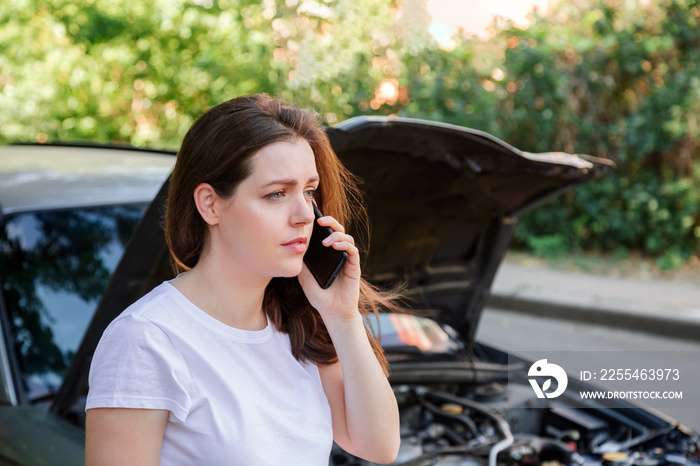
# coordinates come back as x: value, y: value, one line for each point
x: 496, y: 423
x: 472, y: 405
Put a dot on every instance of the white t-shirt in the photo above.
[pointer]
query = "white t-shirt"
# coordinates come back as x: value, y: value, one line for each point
x: 235, y: 397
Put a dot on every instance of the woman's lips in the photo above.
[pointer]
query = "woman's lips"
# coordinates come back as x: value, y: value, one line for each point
x: 296, y: 245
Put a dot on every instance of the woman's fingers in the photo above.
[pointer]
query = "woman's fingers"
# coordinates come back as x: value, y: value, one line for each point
x: 340, y: 240
x: 348, y: 247
x: 329, y: 221
x: 343, y: 242
x: 337, y: 237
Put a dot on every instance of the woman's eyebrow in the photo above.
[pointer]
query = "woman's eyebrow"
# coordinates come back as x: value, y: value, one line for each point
x: 289, y: 182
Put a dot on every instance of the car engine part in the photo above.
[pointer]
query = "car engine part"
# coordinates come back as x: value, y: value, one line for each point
x: 489, y: 425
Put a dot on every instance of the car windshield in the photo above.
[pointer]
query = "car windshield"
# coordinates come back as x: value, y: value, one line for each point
x: 54, y: 267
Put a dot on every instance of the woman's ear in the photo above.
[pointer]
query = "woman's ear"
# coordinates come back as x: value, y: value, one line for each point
x: 205, y: 199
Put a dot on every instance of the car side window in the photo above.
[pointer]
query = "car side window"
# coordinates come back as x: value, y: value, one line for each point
x: 54, y: 267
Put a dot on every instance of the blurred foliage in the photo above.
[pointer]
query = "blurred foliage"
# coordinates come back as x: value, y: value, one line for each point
x: 611, y: 78
x: 620, y: 83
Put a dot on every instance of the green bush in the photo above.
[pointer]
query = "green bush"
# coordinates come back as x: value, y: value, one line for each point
x: 617, y: 213
x: 624, y: 85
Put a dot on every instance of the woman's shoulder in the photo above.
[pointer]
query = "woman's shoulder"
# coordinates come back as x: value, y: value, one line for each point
x: 143, y: 332
x: 136, y: 355
x: 150, y: 312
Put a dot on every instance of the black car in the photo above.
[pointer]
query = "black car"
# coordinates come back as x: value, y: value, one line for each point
x: 443, y: 203
x: 66, y: 214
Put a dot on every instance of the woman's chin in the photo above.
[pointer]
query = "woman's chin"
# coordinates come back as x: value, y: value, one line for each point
x: 290, y: 272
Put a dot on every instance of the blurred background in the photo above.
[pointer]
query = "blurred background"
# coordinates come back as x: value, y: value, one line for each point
x: 613, y: 78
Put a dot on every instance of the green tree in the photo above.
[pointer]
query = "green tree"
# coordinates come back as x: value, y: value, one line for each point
x: 132, y: 72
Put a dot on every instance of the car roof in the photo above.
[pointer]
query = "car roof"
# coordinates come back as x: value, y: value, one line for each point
x: 49, y: 177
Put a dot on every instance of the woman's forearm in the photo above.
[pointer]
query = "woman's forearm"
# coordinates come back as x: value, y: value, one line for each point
x: 371, y: 412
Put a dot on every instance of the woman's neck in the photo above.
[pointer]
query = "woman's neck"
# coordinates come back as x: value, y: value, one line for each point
x: 230, y: 296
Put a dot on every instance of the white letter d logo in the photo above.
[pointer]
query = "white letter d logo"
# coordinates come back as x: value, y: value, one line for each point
x: 543, y: 369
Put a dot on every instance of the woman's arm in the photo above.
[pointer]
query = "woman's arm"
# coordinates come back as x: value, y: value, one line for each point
x: 117, y: 436
x: 363, y: 407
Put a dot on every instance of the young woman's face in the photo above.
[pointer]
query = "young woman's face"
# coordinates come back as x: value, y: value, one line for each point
x: 266, y: 225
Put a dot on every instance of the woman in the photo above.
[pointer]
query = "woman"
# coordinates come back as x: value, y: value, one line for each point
x: 243, y: 358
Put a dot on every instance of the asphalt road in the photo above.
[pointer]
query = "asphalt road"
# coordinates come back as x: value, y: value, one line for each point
x: 577, y: 346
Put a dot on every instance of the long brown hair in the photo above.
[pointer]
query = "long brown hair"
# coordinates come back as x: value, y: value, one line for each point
x: 218, y: 149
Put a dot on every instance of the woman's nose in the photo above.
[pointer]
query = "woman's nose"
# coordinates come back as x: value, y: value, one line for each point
x: 303, y: 212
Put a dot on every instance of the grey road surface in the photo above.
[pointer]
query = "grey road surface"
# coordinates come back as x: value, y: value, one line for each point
x: 578, y: 346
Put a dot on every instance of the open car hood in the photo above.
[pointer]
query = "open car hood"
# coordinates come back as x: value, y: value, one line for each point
x: 443, y: 202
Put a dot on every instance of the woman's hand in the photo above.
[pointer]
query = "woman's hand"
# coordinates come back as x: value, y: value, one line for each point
x: 340, y: 300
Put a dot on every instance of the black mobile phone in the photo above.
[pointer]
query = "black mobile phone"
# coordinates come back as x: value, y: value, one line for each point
x: 323, y: 262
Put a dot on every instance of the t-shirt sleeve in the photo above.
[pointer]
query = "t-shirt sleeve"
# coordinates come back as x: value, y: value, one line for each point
x: 137, y: 366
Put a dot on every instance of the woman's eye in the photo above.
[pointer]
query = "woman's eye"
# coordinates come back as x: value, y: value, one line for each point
x: 310, y: 193
x: 277, y: 195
